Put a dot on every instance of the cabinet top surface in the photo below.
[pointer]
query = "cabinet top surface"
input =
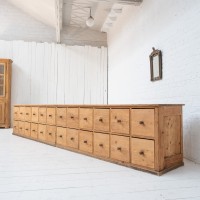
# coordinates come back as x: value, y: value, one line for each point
x: 97, y: 105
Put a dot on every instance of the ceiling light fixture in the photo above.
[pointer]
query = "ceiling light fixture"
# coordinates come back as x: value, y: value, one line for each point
x: 90, y: 20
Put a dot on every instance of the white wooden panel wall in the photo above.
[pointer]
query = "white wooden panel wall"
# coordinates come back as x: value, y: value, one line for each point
x: 46, y: 73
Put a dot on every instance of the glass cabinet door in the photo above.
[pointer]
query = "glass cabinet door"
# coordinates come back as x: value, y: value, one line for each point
x: 2, y: 79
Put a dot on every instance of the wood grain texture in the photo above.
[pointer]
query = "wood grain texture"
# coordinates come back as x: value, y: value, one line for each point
x: 5, y: 96
x: 42, y: 132
x: 120, y: 121
x: 120, y: 148
x: 51, y: 116
x: 73, y: 117
x: 102, y: 120
x: 142, y: 122
x: 42, y: 115
x: 86, y: 141
x: 158, y: 152
x: 142, y: 152
x: 72, y: 138
x: 61, y: 117
x: 51, y: 135
x: 27, y: 129
x: 35, y: 113
x: 102, y: 145
x: 34, y: 131
x: 86, y: 118
x: 61, y: 136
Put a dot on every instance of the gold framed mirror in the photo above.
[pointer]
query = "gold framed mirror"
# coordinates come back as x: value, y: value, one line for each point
x: 156, y: 64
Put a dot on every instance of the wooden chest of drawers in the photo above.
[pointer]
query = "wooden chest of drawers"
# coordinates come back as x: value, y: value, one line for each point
x: 145, y: 137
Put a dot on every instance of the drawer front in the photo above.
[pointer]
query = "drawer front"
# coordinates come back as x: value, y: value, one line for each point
x: 85, y: 141
x: 101, y: 119
x: 27, y: 129
x: 43, y: 115
x: 51, y: 135
x: 101, y: 144
x: 61, y: 136
x: 120, y: 148
x: 21, y: 128
x: 120, y: 121
x: 86, y: 118
x: 51, y: 116
x: 21, y: 113
x: 34, y: 131
x: 142, y: 152
x: 34, y: 114
x: 72, y: 118
x: 61, y: 117
x: 16, y: 127
x: 16, y: 113
x: 142, y: 122
x: 42, y: 132
x: 27, y: 114
x: 72, y: 138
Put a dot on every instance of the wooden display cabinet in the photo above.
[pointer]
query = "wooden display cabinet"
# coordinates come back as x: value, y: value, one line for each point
x: 5, y: 92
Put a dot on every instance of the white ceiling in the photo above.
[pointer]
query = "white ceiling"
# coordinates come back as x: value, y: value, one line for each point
x: 63, y: 13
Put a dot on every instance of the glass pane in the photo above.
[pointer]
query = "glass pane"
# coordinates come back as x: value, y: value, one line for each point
x: 1, y: 68
x: 2, y: 79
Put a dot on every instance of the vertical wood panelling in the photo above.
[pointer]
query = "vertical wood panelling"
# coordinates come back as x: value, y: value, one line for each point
x: 44, y: 73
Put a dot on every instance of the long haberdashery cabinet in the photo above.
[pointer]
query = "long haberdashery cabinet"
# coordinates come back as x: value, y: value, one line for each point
x: 145, y: 137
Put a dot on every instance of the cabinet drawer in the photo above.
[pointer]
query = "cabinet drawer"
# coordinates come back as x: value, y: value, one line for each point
x: 72, y: 118
x: 51, y: 135
x: 61, y: 117
x: 21, y: 128
x: 34, y: 131
x: 27, y: 114
x: 101, y: 119
x: 43, y: 115
x: 142, y: 122
x: 34, y: 117
x: 16, y: 113
x: 72, y: 138
x: 21, y: 113
x: 42, y: 132
x: 85, y: 141
x: 86, y: 118
x: 61, y: 136
x: 16, y: 127
x: 120, y: 148
x: 142, y: 152
x: 101, y: 144
x: 27, y: 129
x: 51, y: 116
x: 120, y: 121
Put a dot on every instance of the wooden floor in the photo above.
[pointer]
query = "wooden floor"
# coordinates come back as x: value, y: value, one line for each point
x: 33, y: 171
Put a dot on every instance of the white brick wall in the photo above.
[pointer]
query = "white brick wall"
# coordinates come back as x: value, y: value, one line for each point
x: 172, y: 26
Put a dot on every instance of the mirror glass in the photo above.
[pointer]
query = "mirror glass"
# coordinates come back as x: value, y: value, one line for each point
x: 156, y: 66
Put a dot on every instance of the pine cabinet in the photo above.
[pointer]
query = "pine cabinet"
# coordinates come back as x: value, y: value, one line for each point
x: 5, y: 92
x: 145, y: 137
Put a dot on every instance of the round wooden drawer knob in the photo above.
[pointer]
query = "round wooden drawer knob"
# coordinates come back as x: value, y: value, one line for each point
x: 141, y: 122
x: 101, y: 145
x: 141, y: 153
x: 101, y: 119
x: 119, y: 148
x: 85, y: 141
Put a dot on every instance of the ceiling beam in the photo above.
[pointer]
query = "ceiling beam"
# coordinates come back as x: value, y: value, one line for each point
x: 58, y: 12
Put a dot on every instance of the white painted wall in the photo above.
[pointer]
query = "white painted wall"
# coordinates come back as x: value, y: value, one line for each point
x: 45, y: 73
x: 173, y: 27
